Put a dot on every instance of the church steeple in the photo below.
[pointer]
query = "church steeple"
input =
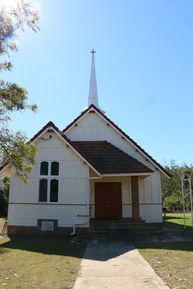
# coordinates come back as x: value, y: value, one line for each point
x: 93, y: 94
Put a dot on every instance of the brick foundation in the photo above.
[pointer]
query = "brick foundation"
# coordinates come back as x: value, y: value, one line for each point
x: 36, y: 231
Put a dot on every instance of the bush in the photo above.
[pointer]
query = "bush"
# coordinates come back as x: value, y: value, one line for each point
x: 173, y: 203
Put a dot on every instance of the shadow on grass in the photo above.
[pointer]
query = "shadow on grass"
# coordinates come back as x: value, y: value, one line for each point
x: 178, y: 246
x: 44, y: 245
x: 104, y: 247
x: 99, y: 248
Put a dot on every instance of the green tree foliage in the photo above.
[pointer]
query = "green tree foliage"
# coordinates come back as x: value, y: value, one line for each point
x: 171, y: 189
x: 13, y: 147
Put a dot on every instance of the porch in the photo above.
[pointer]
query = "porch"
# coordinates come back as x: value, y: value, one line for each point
x: 115, y: 200
x: 121, y: 186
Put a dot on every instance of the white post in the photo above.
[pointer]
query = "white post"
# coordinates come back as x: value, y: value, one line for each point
x: 183, y: 200
x: 186, y: 177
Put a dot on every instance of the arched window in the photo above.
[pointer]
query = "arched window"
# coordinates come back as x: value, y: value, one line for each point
x: 44, y: 168
x: 43, y: 189
x: 53, y: 190
x: 54, y: 168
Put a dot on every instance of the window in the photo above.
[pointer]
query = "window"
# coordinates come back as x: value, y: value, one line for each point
x: 54, y: 190
x: 48, y: 184
x: 43, y: 190
x: 55, y: 168
x: 44, y: 169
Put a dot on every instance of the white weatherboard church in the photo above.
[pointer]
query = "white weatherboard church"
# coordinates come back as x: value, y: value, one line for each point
x: 90, y: 170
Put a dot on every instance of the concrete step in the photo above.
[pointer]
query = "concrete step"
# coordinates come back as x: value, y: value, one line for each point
x: 117, y: 225
x: 121, y: 230
x: 116, y: 222
x: 125, y: 235
x: 123, y: 226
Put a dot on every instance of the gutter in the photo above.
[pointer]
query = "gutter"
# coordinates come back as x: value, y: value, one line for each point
x: 96, y: 178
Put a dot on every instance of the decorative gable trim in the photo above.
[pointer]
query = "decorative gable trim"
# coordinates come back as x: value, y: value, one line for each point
x: 122, y: 133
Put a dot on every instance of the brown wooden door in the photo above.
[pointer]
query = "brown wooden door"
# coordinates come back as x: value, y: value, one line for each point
x: 108, y: 201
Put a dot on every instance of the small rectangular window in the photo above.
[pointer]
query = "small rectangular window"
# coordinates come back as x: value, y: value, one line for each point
x: 43, y: 187
x: 54, y: 190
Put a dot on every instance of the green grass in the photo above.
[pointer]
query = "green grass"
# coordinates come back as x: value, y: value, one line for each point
x: 39, y: 262
x: 177, y: 219
x: 172, y: 261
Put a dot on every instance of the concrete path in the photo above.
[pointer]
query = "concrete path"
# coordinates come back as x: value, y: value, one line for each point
x: 115, y: 265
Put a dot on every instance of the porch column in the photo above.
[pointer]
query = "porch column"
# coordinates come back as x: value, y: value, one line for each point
x: 135, y: 197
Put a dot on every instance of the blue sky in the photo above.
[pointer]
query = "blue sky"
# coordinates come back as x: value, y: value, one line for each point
x: 144, y: 66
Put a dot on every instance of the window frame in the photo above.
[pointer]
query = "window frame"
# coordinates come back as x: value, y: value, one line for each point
x: 49, y: 177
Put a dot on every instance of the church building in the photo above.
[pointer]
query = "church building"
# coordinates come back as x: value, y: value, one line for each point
x: 90, y: 170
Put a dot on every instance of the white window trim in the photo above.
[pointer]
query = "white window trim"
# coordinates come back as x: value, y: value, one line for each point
x: 49, y: 177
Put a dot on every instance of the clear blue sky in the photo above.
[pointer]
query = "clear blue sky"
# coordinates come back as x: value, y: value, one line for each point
x: 144, y: 66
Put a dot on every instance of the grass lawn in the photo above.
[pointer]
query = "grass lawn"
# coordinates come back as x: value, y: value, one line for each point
x: 172, y: 261
x: 39, y: 262
x: 178, y: 219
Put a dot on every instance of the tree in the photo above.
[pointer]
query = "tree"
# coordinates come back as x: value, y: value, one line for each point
x: 171, y: 189
x: 13, y: 147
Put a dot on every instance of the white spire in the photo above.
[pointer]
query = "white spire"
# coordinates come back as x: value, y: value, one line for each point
x: 93, y: 95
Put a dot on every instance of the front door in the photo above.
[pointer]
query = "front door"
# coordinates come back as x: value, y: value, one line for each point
x: 108, y: 201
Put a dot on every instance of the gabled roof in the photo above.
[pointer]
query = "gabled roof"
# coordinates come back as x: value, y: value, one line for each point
x: 91, y: 160
x: 123, y: 134
x: 102, y: 157
x: 50, y: 126
x: 108, y: 159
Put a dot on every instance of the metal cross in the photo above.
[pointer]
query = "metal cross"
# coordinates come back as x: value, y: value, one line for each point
x: 93, y: 51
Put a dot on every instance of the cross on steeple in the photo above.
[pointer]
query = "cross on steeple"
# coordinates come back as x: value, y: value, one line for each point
x: 93, y: 52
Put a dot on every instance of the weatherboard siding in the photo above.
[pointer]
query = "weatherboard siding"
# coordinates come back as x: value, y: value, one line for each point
x: 24, y: 208
x: 151, y: 213
x: 150, y: 198
x: 28, y: 214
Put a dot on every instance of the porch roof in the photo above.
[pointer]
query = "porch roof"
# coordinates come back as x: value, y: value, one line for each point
x: 108, y: 159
